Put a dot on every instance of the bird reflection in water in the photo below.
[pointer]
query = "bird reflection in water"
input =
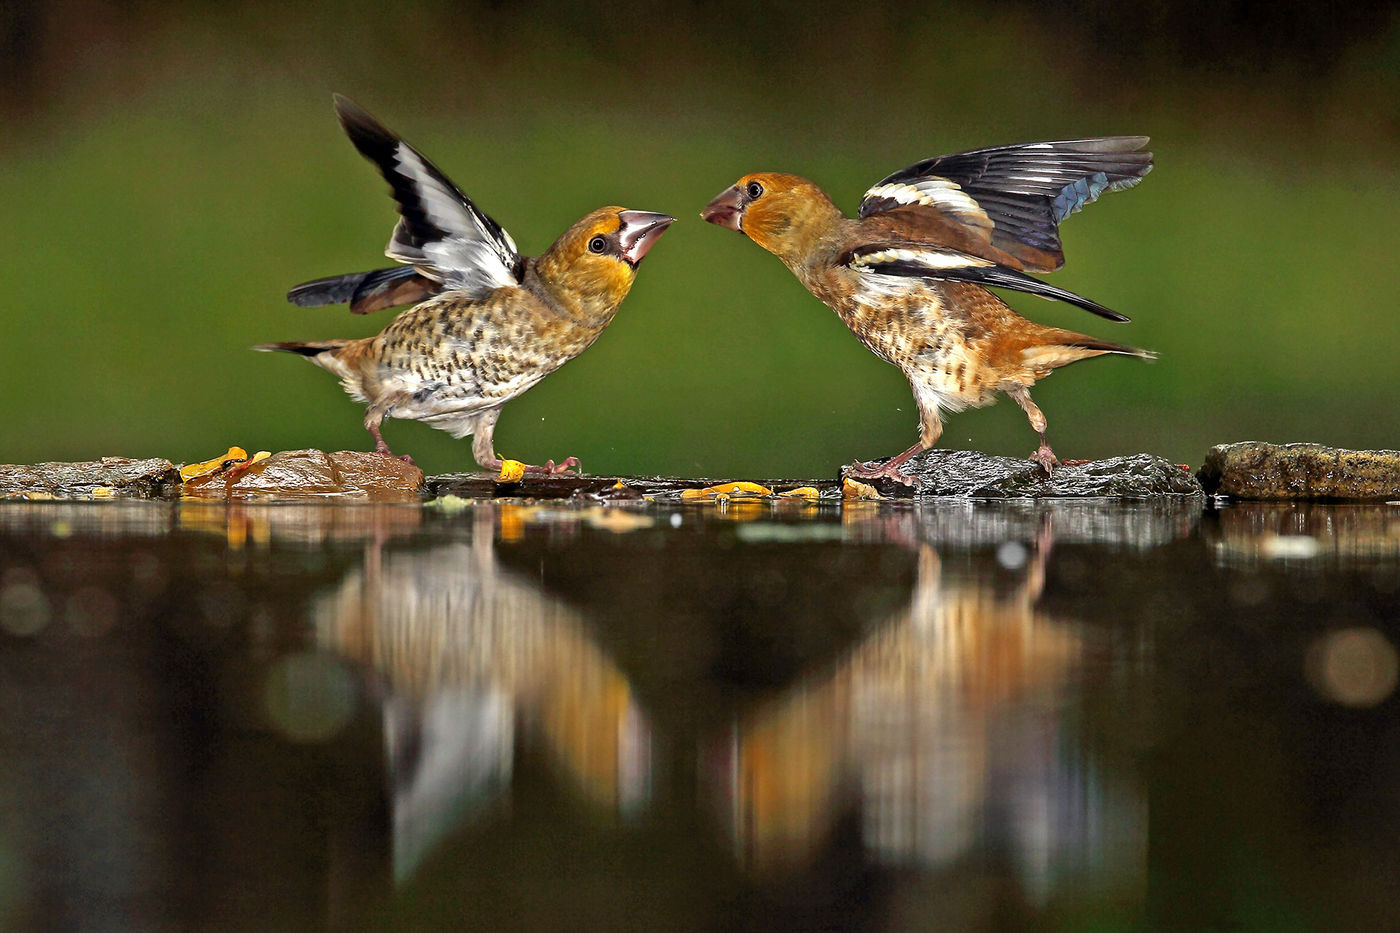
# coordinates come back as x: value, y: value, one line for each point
x: 475, y: 661
x: 951, y: 732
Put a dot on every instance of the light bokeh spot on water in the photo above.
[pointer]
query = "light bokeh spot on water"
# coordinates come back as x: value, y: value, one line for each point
x: 91, y: 611
x: 24, y: 609
x: 1353, y: 666
x: 309, y: 697
x: 1012, y: 555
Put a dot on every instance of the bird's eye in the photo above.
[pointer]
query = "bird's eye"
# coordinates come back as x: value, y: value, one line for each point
x: 597, y: 244
x: 754, y: 191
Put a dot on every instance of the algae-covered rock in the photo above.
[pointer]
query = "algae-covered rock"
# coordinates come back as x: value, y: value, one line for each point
x: 1256, y: 470
x: 108, y: 478
x: 973, y: 475
x: 313, y: 473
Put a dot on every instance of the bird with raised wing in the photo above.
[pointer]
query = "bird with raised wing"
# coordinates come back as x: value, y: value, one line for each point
x: 486, y: 323
x: 909, y: 275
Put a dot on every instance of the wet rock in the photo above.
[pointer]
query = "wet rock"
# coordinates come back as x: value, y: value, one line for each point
x: 108, y: 478
x: 1255, y: 470
x: 348, y: 474
x: 972, y: 475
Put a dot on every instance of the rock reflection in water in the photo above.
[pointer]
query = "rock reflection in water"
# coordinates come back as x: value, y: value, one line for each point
x: 1251, y: 533
x: 952, y: 731
x: 475, y: 660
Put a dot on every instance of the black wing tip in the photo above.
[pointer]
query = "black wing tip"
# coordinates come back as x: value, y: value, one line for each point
x: 314, y: 294
x: 360, y: 289
x: 331, y: 290
x: 350, y: 112
x: 1106, y: 143
x: 373, y: 139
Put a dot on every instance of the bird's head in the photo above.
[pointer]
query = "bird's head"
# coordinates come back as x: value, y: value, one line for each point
x: 595, y: 260
x: 785, y: 214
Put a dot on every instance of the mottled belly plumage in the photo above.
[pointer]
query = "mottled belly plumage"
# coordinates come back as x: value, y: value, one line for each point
x: 452, y: 355
x: 908, y: 324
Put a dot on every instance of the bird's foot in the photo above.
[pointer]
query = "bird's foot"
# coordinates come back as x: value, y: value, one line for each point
x: 564, y: 466
x: 1046, y: 458
x: 512, y: 471
x: 890, y: 469
x: 383, y: 449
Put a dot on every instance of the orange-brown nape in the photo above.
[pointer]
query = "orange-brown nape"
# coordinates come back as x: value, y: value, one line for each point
x: 909, y: 274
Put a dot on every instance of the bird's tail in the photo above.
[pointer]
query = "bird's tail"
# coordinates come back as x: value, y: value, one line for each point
x: 1061, y: 347
x: 341, y: 358
x: 313, y: 348
x: 1107, y: 346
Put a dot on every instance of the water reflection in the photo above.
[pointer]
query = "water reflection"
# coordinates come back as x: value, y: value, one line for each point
x: 952, y: 732
x: 1251, y: 533
x: 958, y: 715
x: 467, y: 655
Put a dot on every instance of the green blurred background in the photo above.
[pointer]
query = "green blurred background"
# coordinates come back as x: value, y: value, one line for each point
x: 170, y: 170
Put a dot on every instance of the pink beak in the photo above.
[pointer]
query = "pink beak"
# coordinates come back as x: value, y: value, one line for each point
x: 727, y: 210
x: 639, y: 230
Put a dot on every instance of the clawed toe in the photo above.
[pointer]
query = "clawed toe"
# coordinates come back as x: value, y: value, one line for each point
x: 565, y: 465
x: 383, y: 449
x: 888, y: 470
x: 1046, y: 458
x: 550, y: 468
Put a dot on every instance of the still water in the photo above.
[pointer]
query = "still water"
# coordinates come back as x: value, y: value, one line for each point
x: 744, y: 717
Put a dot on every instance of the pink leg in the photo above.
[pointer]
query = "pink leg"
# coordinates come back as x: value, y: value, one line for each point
x: 484, y: 450
x: 372, y: 421
x: 1043, y: 454
x: 890, y: 469
x: 930, y: 429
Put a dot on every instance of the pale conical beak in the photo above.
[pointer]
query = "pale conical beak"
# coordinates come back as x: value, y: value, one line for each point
x: 639, y: 230
x: 727, y: 210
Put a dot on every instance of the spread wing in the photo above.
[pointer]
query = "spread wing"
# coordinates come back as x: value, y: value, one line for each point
x: 440, y: 232
x: 954, y: 266
x: 1014, y: 198
x: 367, y: 291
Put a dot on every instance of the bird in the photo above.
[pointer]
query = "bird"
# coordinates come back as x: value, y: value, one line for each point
x: 486, y: 323
x: 910, y: 273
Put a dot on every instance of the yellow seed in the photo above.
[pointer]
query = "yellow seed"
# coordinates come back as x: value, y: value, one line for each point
x: 852, y: 489
x: 193, y: 470
x: 725, y: 490
x: 801, y: 492
x: 512, y: 471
